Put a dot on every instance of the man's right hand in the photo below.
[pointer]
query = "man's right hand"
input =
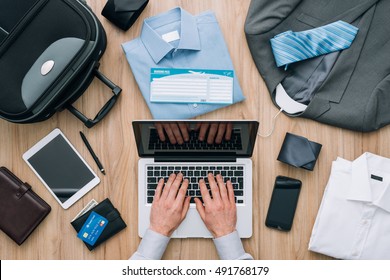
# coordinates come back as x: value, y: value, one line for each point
x: 218, y: 213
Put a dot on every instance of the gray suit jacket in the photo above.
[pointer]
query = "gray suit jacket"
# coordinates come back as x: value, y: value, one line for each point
x: 355, y: 94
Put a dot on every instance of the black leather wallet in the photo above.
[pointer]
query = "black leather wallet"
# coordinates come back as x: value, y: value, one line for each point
x: 123, y: 13
x: 300, y: 152
x: 108, y: 211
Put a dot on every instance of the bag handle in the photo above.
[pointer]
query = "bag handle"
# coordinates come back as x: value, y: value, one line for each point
x: 116, y: 90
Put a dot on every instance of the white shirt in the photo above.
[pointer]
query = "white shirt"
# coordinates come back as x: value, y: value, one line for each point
x: 153, y: 245
x: 353, y: 221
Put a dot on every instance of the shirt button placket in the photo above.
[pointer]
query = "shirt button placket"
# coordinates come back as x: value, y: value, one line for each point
x: 362, y: 232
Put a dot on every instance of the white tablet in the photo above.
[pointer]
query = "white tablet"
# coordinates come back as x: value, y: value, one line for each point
x: 61, y: 168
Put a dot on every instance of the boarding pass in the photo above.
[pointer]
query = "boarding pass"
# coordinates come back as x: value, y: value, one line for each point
x: 191, y: 86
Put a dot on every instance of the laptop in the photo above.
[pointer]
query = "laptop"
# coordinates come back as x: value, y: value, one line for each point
x: 160, y: 156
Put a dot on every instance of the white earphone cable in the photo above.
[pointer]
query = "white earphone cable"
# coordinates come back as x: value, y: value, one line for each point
x: 273, y: 126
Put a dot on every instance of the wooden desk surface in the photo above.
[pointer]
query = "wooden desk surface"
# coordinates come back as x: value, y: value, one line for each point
x: 113, y: 141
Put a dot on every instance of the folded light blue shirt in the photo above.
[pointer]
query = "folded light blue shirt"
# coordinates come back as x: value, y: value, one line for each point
x: 199, y: 45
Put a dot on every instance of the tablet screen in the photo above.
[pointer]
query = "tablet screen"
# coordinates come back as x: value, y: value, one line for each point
x: 61, y: 168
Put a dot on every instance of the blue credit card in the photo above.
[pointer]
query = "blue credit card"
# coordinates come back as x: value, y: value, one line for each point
x: 92, y: 228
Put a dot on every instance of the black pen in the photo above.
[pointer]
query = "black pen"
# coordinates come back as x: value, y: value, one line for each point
x: 96, y: 159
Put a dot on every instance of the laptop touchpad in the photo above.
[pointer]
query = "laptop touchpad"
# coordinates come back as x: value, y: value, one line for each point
x: 193, y: 226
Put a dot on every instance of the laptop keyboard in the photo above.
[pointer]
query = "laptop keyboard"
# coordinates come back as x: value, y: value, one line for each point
x: 194, y: 173
x: 235, y: 142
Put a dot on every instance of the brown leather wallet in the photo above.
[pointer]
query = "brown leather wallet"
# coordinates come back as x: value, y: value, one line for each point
x: 21, y: 210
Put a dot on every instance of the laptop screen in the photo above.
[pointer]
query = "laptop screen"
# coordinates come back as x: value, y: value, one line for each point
x: 236, y: 138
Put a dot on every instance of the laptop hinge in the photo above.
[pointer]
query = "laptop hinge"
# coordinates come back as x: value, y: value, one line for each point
x: 161, y: 157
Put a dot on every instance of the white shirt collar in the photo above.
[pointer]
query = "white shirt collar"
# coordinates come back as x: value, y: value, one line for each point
x: 360, y: 188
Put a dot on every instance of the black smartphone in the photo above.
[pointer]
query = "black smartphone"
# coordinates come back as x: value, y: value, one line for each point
x: 283, y: 203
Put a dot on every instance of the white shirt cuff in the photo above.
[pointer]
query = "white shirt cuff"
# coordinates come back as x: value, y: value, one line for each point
x: 229, y: 247
x: 152, y: 246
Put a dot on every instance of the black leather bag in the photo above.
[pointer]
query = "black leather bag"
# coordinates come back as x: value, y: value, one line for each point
x: 49, y: 55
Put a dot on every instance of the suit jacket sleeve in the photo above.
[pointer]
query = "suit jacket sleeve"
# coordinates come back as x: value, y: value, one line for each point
x: 377, y: 113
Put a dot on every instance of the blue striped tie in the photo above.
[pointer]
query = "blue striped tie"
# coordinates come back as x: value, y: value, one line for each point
x: 289, y: 47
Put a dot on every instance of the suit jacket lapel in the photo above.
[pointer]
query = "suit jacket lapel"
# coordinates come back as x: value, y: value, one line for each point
x: 353, y: 13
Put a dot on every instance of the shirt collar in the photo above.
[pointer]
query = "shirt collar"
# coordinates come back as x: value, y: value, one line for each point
x: 360, y: 188
x: 156, y: 46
